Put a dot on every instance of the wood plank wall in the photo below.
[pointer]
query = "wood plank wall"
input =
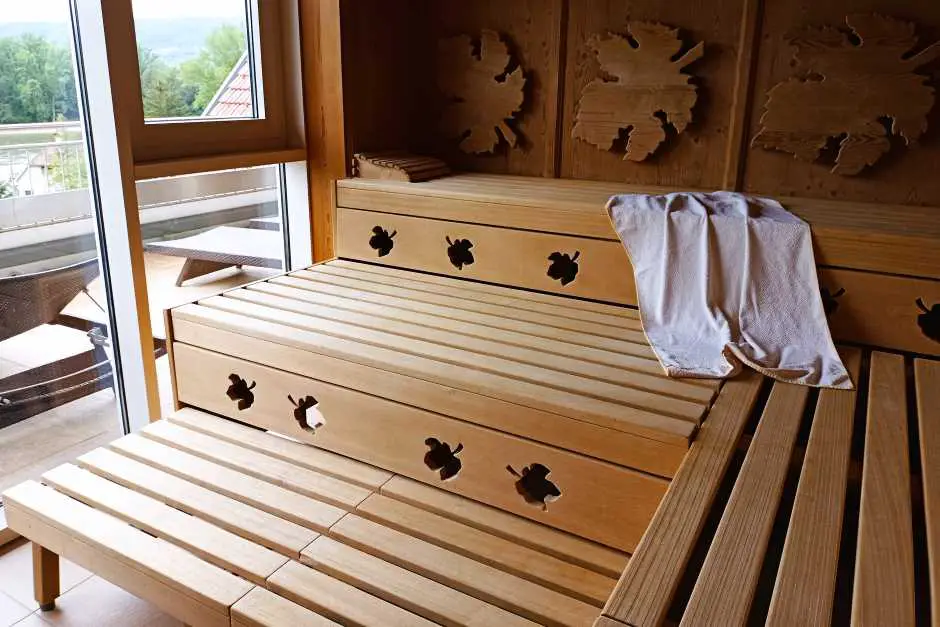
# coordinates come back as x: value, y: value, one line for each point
x: 391, y: 102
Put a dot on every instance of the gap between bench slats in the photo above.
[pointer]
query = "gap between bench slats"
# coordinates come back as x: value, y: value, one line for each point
x: 645, y: 590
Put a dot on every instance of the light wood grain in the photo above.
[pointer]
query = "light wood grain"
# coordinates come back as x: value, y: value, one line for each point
x: 415, y: 328
x: 571, y: 305
x: 271, y: 498
x: 471, y: 325
x: 603, y: 267
x: 507, y: 556
x: 501, y: 589
x: 627, y: 340
x: 262, y: 608
x: 409, y: 590
x: 275, y: 471
x: 645, y: 590
x: 883, y: 593
x: 927, y: 377
x: 212, y: 163
x: 319, y: 460
x: 338, y: 600
x: 726, y: 583
x: 806, y: 578
x: 277, y: 347
x: 46, y: 586
x: 153, y: 569
x: 668, y: 429
x: 213, y: 544
x: 848, y: 233
x: 513, y: 297
x: 521, y: 532
x: 881, y: 310
x: 229, y: 513
x: 603, y: 502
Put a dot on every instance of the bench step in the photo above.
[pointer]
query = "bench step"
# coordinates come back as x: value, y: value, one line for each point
x: 230, y: 525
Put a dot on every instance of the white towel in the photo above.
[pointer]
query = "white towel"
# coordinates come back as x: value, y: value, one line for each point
x: 724, y: 278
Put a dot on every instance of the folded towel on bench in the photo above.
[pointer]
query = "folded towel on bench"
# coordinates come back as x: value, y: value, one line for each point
x: 725, y: 279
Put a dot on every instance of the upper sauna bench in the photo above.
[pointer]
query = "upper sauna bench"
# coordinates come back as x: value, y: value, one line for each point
x: 879, y: 265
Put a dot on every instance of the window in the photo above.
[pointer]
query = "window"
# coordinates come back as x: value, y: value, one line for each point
x: 197, y: 59
x: 57, y: 368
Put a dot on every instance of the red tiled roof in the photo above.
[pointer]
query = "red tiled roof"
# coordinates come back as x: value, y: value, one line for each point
x: 233, y: 100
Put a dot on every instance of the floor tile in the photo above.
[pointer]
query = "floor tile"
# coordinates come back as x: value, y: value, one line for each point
x: 98, y: 603
x: 10, y: 611
x: 16, y: 574
x: 32, y: 620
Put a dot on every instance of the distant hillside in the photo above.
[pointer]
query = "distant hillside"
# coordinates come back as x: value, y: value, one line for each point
x: 174, y: 40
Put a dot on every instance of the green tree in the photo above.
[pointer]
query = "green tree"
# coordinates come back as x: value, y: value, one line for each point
x: 162, y: 88
x: 205, y: 74
x: 36, y: 81
x: 6, y: 189
x: 68, y: 169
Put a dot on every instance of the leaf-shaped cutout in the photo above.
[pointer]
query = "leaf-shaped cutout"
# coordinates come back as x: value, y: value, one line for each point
x: 483, y: 95
x: 644, y: 89
x: 857, y: 85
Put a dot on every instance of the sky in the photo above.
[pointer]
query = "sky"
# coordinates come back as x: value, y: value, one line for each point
x: 56, y: 10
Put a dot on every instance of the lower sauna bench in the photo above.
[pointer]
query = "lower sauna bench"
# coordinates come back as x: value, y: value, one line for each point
x: 219, y: 523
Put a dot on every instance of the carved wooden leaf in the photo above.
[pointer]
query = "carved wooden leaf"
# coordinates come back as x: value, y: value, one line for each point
x: 482, y: 94
x: 644, y: 89
x: 857, y: 85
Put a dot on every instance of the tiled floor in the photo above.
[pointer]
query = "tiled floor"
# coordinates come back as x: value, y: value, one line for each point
x: 86, y: 601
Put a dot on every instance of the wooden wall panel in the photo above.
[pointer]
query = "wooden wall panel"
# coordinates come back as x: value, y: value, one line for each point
x: 696, y: 157
x: 905, y: 176
x: 533, y: 29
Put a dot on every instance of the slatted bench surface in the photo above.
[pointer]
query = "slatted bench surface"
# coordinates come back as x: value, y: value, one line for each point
x: 565, y: 356
x: 801, y: 507
x: 223, y: 524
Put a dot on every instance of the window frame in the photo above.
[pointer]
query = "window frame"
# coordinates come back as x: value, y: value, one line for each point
x: 156, y: 142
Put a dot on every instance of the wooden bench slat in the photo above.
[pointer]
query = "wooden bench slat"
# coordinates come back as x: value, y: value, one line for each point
x: 263, y: 608
x: 806, y: 578
x: 474, y: 286
x: 303, y: 455
x: 644, y: 592
x: 144, y: 565
x: 927, y: 377
x: 480, y: 546
x: 464, y: 359
x: 621, y: 331
x: 726, y: 583
x: 249, y: 522
x: 278, y: 346
x: 483, y: 345
x: 213, y: 544
x: 485, y: 582
x: 455, y: 288
x: 644, y: 423
x: 470, y: 328
x: 271, y: 498
x: 409, y: 590
x: 339, y: 600
x: 275, y: 471
x: 884, y: 564
x: 541, y: 538
x: 315, y: 288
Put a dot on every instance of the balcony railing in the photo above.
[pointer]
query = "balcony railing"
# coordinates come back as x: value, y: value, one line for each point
x: 41, y: 158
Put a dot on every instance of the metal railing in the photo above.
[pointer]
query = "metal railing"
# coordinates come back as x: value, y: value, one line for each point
x: 42, y: 168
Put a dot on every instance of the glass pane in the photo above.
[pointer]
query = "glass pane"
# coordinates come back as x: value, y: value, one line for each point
x: 56, y: 376
x: 205, y: 233
x: 195, y: 59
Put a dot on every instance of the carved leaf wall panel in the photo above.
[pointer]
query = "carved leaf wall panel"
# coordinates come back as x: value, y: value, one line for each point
x: 483, y: 94
x: 643, y: 89
x: 856, y: 85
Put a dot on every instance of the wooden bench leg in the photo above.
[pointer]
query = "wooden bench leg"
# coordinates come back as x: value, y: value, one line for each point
x: 45, y: 577
x: 198, y: 267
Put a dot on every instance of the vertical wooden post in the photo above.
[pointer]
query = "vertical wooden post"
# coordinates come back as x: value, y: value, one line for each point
x: 323, y: 111
x: 45, y: 577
